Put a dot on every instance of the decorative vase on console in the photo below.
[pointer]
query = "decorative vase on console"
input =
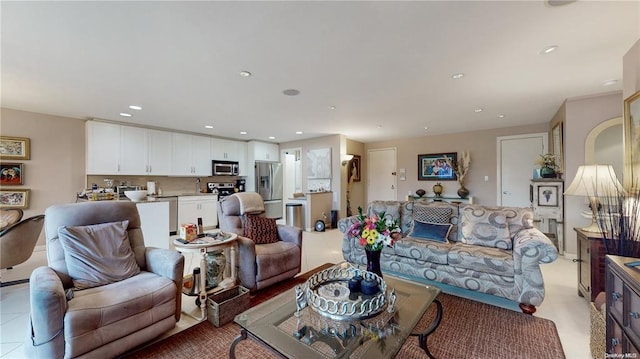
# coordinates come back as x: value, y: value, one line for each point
x: 373, y: 261
x: 463, y: 192
x: 437, y: 189
x: 547, y: 172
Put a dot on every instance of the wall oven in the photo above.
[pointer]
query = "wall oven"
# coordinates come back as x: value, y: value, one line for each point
x: 225, y: 168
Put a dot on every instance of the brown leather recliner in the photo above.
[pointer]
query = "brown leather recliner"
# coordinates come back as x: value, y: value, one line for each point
x: 261, y: 265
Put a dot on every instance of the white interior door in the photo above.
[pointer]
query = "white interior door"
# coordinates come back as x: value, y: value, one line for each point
x: 516, y: 163
x: 381, y: 175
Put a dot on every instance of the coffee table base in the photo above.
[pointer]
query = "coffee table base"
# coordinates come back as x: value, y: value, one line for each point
x: 422, y: 336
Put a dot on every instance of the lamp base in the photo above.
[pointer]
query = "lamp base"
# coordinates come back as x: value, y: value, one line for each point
x: 592, y: 228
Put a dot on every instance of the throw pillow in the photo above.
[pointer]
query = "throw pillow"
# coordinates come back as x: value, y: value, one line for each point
x: 431, y: 231
x: 98, y: 254
x: 261, y: 230
x: 426, y: 214
x: 484, y: 227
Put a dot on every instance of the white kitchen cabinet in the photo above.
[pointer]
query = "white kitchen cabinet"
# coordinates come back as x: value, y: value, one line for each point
x: 103, y: 148
x: 224, y: 150
x: 242, y: 158
x: 263, y: 151
x: 190, y: 208
x: 191, y: 155
x: 127, y: 150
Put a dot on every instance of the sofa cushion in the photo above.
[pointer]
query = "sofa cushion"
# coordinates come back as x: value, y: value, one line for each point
x: 390, y: 208
x: 484, y: 227
x: 431, y: 231
x: 431, y: 214
x: 419, y: 249
x: 482, y: 259
x: 98, y: 254
x: 518, y: 218
x: 261, y: 230
x: 276, y: 258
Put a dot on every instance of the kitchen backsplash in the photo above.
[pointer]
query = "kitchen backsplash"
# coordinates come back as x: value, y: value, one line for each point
x: 165, y: 184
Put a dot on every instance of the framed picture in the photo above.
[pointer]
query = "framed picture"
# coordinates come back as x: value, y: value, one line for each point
x: 354, y: 169
x: 434, y: 167
x: 11, y: 174
x: 14, y: 148
x: 632, y: 141
x: 556, y: 137
x: 18, y: 198
x: 548, y: 196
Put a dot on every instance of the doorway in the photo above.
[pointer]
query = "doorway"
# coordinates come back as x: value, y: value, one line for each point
x: 292, y: 174
x: 381, y: 175
x: 516, y: 163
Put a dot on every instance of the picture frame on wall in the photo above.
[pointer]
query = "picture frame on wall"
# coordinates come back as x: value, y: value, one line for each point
x: 11, y: 174
x: 632, y: 141
x: 18, y: 198
x: 434, y: 167
x: 14, y: 148
x: 548, y: 196
x: 354, y: 169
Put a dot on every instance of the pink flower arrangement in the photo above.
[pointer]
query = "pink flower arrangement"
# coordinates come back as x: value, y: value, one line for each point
x: 374, y: 232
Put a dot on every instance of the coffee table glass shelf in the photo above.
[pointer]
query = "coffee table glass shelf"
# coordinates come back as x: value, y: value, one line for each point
x: 338, y: 324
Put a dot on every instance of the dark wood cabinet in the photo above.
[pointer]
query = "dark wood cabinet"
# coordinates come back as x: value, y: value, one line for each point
x: 591, y: 266
x: 623, y: 307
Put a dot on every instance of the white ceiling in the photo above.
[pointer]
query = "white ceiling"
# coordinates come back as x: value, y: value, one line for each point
x: 385, y: 66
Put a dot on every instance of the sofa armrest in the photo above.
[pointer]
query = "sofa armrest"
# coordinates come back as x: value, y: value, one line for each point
x: 169, y: 264
x: 290, y: 234
x: 345, y: 223
x: 531, y: 245
x: 48, y: 307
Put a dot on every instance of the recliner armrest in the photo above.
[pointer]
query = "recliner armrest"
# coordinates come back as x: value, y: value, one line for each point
x: 169, y: 264
x: 290, y: 234
x: 48, y: 307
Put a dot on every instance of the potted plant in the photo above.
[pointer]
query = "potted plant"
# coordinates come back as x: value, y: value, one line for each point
x: 619, y: 222
x: 548, y: 165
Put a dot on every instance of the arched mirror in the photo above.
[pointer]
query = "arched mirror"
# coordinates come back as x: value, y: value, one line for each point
x: 604, y: 145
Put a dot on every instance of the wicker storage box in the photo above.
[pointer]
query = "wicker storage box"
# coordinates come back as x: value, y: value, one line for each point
x: 598, y: 332
x: 223, y: 306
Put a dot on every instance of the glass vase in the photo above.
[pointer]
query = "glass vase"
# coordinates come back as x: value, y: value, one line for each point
x: 373, y: 262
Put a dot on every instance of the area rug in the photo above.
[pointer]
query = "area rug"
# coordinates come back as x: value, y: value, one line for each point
x: 469, y: 329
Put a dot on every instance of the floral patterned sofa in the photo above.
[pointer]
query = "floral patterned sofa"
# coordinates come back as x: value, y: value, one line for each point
x: 493, y: 250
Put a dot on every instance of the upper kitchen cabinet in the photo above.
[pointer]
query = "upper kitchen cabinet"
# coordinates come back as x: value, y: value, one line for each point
x: 126, y: 150
x: 262, y: 151
x: 103, y: 148
x: 229, y: 150
x: 191, y: 155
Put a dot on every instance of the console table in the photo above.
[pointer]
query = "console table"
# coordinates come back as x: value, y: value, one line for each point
x: 590, y: 264
x: 468, y: 200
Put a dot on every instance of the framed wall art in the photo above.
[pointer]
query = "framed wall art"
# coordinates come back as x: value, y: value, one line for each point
x: 11, y: 174
x: 14, y: 148
x: 632, y: 141
x: 354, y: 169
x: 548, y: 196
x: 18, y: 198
x: 434, y: 167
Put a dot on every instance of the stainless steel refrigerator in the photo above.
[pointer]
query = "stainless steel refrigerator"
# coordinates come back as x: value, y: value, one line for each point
x: 269, y: 186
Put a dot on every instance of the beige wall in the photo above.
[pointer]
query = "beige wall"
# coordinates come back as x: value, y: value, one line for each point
x: 580, y: 117
x: 56, y: 169
x: 482, y: 146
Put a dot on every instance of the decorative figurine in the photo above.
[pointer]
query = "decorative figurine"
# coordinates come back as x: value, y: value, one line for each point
x: 301, y: 300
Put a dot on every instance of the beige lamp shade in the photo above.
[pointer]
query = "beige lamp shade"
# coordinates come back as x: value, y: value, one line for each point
x: 594, y: 181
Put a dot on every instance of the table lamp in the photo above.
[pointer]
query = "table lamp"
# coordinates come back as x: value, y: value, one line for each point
x: 594, y: 182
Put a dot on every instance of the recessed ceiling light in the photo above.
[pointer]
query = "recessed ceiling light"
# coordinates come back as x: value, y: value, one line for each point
x: 245, y: 73
x: 243, y: 132
x: 272, y: 138
x: 477, y: 110
x: 135, y: 107
x: 379, y: 126
x: 124, y: 114
x: 610, y: 82
x: 298, y: 132
x: 426, y: 128
x: 332, y: 107
x: 457, y: 76
x: 291, y: 92
x: 500, y: 116
x: 208, y: 126
x: 549, y: 49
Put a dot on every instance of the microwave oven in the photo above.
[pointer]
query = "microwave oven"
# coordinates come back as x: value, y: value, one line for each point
x: 225, y: 168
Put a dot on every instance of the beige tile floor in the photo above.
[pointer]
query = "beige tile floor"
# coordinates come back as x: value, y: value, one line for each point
x: 562, y: 304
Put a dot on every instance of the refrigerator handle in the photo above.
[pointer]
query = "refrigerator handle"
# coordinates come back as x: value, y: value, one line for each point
x: 271, y: 181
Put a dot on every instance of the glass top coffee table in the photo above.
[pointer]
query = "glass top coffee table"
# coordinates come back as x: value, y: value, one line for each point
x: 308, y: 334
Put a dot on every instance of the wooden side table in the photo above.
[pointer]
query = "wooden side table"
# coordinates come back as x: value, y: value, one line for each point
x: 203, y: 246
x: 591, y: 266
